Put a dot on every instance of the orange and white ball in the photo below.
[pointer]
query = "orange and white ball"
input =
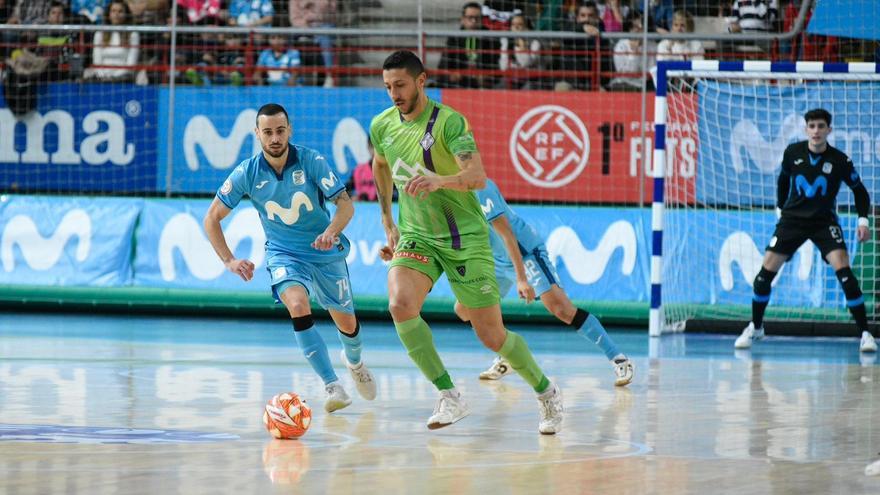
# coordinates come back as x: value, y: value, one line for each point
x: 287, y: 416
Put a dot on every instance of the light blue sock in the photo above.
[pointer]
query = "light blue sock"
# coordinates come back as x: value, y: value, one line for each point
x: 593, y: 331
x: 351, y: 344
x: 315, y: 351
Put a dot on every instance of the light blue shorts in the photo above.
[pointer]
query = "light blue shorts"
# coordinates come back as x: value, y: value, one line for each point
x: 540, y: 272
x: 328, y: 283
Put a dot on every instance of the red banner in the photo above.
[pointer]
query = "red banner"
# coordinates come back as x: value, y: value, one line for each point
x: 573, y: 147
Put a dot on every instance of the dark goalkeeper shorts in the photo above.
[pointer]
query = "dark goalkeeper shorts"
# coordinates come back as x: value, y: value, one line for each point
x: 790, y: 234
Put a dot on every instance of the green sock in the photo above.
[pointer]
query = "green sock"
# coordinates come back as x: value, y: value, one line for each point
x: 419, y: 343
x: 517, y: 353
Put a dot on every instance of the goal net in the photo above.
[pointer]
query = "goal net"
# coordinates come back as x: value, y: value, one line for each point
x: 740, y: 117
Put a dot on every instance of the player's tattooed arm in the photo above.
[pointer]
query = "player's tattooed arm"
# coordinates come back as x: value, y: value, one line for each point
x: 344, y: 212
x: 472, y: 175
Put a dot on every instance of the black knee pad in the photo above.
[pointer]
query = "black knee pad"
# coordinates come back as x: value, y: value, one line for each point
x: 849, y: 283
x: 762, y: 282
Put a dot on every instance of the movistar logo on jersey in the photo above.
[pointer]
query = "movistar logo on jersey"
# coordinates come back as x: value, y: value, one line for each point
x: 289, y: 215
x: 487, y: 206
x: 808, y: 189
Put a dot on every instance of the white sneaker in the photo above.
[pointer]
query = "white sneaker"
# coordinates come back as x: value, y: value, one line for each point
x: 623, y: 371
x: 550, y: 402
x: 868, y: 344
x: 750, y: 333
x: 337, y: 398
x: 449, y: 409
x: 500, y: 368
x: 362, y: 377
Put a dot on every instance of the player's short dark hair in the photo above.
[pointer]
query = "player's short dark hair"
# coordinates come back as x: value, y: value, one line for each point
x: 471, y: 5
x: 270, y: 109
x: 818, y: 114
x: 404, y: 59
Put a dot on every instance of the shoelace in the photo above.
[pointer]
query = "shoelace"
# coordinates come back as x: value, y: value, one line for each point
x: 549, y: 407
x: 620, y: 368
x: 362, y: 376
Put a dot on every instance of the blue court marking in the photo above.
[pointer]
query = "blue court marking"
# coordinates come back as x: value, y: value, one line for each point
x: 105, y: 435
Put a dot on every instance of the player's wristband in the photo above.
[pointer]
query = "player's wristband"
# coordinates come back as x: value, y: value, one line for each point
x: 863, y: 222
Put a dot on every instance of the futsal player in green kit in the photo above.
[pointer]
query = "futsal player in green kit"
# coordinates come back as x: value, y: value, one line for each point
x: 428, y: 151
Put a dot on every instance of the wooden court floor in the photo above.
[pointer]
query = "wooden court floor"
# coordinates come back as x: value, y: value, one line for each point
x: 137, y: 405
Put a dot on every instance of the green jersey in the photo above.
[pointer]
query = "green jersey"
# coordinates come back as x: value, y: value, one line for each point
x: 427, y: 146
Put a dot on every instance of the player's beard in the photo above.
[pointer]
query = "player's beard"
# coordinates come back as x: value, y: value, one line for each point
x: 277, y: 152
x: 410, y: 105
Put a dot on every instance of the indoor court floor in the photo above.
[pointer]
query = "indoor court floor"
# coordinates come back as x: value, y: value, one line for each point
x: 144, y: 405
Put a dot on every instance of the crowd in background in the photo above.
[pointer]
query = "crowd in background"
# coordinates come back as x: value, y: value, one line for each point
x: 585, y: 62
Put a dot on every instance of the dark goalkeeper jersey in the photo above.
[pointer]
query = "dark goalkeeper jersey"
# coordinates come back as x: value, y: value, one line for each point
x: 808, y: 183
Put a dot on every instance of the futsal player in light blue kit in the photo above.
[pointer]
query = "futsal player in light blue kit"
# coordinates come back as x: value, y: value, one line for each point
x: 521, y: 258
x: 289, y: 186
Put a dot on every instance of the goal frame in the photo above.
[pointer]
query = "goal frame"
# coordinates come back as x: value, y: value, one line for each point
x: 673, y: 69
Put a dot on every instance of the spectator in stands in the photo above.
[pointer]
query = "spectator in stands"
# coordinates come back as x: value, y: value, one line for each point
x: 520, y: 55
x: 88, y: 11
x: 30, y: 12
x: 682, y: 22
x: 251, y: 13
x: 55, y: 46
x: 628, y: 57
x: 361, y: 185
x: 315, y: 14
x: 613, y: 15
x: 498, y: 14
x: 581, y: 54
x: 281, y: 58
x: 469, y: 54
x: 661, y: 12
x: 115, y: 53
x: 26, y: 12
x: 199, y: 10
x: 755, y: 17
x: 147, y: 12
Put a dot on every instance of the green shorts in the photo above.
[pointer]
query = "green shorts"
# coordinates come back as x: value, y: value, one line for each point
x: 471, y: 270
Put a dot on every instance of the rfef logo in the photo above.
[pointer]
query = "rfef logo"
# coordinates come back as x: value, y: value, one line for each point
x: 549, y: 146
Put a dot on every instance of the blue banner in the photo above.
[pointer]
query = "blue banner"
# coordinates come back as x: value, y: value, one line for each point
x: 744, y: 130
x: 67, y: 241
x: 81, y: 138
x: 214, y: 130
x: 597, y: 256
x: 724, y: 252
x: 173, y: 250
x: 847, y: 18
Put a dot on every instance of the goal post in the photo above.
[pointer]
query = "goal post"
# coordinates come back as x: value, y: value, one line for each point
x: 709, y: 234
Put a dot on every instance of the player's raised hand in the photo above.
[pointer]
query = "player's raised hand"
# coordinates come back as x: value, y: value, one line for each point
x: 242, y: 268
x: 863, y: 233
x: 525, y: 291
x: 422, y: 184
x: 325, y: 241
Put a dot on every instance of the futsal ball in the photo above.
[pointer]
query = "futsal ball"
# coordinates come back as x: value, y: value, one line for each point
x: 287, y: 416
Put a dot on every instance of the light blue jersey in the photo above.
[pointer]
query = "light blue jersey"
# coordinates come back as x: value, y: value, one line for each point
x: 287, y: 60
x: 540, y: 272
x: 292, y: 206
x: 494, y: 205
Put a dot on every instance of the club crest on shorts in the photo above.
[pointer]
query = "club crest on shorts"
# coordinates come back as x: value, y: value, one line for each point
x: 461, y: 270
x: 427, y: 141
x: 826, y: 168
x: 299, y: 177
